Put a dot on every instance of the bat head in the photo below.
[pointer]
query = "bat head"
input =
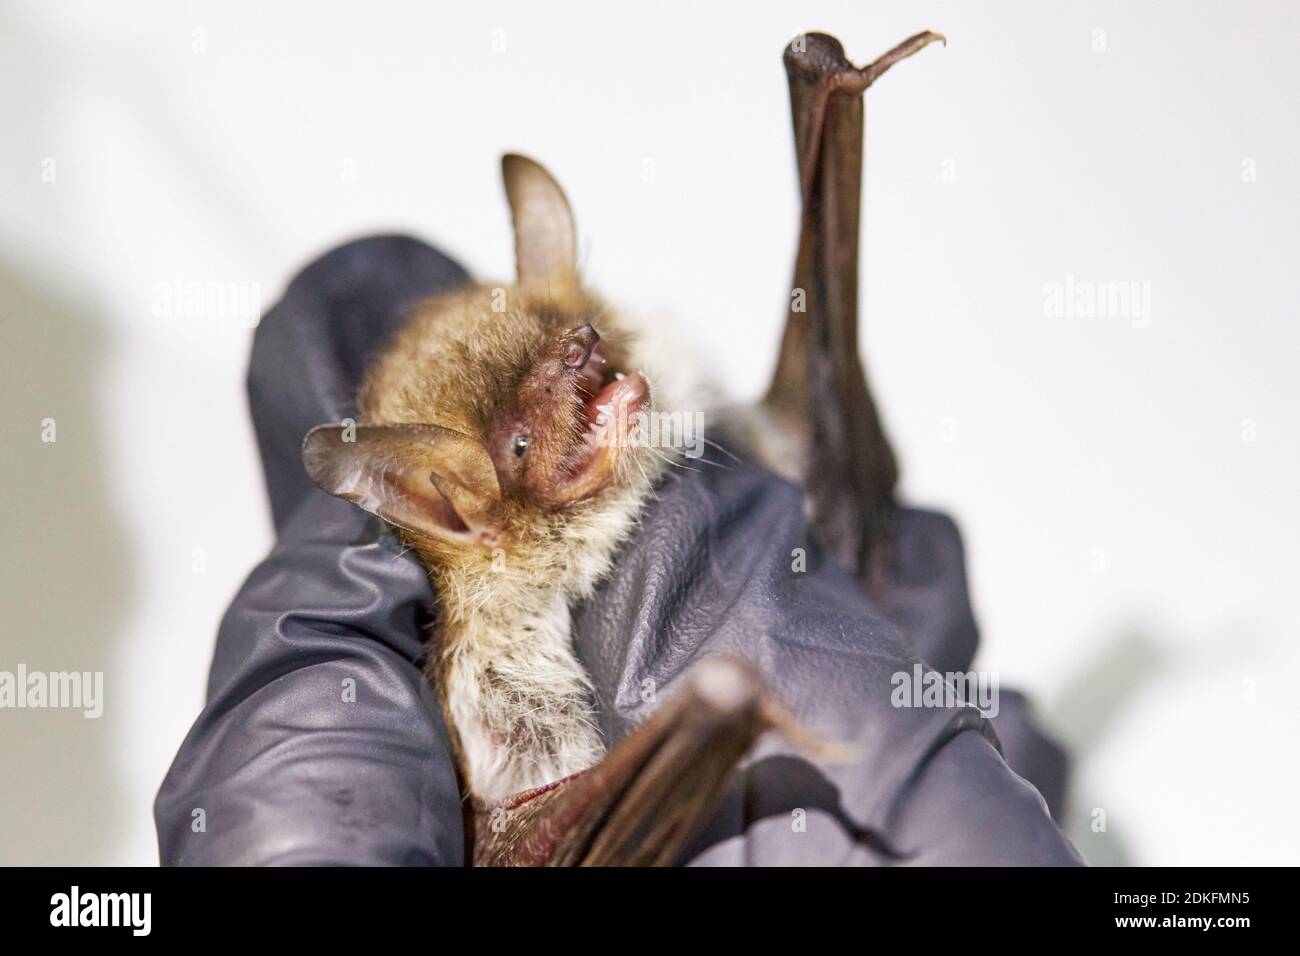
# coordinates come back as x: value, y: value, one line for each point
x: 496, y: 406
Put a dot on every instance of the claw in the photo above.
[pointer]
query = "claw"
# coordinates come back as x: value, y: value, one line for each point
x: 909, y: 47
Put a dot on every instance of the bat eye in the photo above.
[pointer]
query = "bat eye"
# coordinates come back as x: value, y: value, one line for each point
x: 521, y: 446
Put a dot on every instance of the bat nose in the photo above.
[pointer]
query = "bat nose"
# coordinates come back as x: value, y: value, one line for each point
x: 579, y: 344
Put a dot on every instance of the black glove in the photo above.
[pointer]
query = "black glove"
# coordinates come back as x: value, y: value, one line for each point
x: 322, y: 742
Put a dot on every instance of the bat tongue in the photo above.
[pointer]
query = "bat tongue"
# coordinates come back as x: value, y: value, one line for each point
x: 626, y: 391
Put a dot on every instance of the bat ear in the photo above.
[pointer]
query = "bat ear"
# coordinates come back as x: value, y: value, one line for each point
x: 545, y: 243
x: 424, y: 479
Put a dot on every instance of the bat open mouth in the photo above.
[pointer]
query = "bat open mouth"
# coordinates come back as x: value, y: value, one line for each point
x: 611, y: 404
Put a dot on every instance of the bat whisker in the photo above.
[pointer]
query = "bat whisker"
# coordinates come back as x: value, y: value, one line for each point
x: 668, y: 459
x: 721, y: 448
x: 647, y: 478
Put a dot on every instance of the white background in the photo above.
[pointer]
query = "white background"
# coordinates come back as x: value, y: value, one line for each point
x: 1133, y: 558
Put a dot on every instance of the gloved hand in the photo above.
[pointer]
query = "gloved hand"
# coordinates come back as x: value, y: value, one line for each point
x: 321, y: 741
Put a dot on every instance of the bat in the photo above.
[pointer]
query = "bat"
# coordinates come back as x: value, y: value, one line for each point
x: 498, y: 432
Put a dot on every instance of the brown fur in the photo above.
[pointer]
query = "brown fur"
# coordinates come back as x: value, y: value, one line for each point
x: 459, y: 364
x: 487, y: 439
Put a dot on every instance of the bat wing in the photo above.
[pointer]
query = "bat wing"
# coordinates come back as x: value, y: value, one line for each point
x: 819, y: 392
x: 656, y: 788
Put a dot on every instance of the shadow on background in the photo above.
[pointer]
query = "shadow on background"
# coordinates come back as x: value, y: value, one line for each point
x: 63, y: 583
x: 1089, y: 708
